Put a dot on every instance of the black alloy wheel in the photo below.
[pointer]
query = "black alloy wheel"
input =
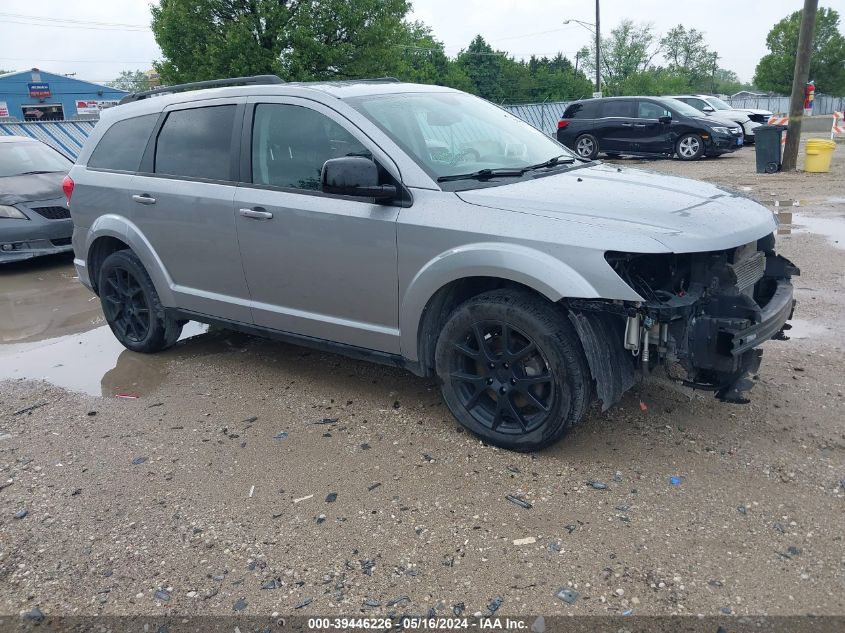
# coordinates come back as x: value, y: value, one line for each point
x: 125, y: 305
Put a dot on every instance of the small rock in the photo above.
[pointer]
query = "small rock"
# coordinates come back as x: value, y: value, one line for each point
x: 793, y: 551
x: 139, y: 460
x: 304, y: 603
x: 401, y: 600
x: 321, y: 518
x: 20, y: 514
x: 458, y: 608
x: 331, y: 497
x: 598, y: 485
x: 365, y: 447
x: 567, y: 595
x: 726, y: 610
x: 273, y: 583
x: 162, y: 595
x: 528, y: 540
x: 92, y: 413
x: 372, y: 604
x: 620, y: 592
x: 428, y: 458
x: 240, y: 605
x: 494, y: 604
x: 35, y: 615
x: 742, y: 510
x: 280, y: 435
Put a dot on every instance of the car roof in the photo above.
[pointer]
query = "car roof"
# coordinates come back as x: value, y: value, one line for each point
x: 331, y: 89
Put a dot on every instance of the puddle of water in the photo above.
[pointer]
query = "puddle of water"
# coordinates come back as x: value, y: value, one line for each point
x: 833, y: 228
x: 52, y: 328
x: 92, y: 362
x: 803, y: 329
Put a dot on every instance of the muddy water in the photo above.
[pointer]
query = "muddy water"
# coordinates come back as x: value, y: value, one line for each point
x: 52, y: 328
x: 833, y: 228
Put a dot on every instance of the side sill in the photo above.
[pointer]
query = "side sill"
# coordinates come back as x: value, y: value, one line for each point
x: 332, y: 347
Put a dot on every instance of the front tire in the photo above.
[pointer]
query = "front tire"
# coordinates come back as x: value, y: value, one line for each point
x: 690, y: 147
x: 132, y: 307
x: 587, y: 146
x: 512, y: 370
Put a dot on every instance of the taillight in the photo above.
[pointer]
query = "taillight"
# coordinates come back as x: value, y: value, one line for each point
x: 562, y: 124
x: 67, y: 187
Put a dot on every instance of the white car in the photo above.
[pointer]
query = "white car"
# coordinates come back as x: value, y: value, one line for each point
x: 748, y: 118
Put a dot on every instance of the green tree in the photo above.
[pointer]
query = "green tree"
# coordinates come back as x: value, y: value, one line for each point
x: 422, y: 59
x: 131, y: 81
x: 483, y: 66
x: 630, y: 49
x: 687, y: 55
x: 296, y: 39
x: 827, y: 63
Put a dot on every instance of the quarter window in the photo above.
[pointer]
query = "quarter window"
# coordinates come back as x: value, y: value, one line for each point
x: 196, y: 143
x: 291, y: 143
x: 123, y: 144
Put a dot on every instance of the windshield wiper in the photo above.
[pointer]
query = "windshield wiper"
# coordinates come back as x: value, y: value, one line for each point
x: 483, y: 174
x: 563, y: 159
x: 30, y: 173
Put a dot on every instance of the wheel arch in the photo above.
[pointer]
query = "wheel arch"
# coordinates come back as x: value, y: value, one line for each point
x: 455, y: 276
x: 111, y: 233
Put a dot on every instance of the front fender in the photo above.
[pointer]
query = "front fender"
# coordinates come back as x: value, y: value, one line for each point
x: 521, y: 264
x: 111, y: 225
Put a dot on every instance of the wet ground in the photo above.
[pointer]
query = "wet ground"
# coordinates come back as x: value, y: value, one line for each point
x: 235, y: 473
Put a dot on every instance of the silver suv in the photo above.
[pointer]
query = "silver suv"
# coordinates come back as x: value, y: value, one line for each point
x: 422, y: 227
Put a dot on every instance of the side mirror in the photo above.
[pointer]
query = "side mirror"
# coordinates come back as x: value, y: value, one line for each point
x: 354, y: 176
x: 708, y: 109
x: 665, y: 120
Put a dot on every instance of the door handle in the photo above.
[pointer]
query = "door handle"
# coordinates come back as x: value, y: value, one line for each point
x: 639, y: 124
x: 258, y: 213
x: 143, y: 198
x: 627, y: 124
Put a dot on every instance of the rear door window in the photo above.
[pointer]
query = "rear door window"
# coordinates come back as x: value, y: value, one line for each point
x: 123, y: 144
x: 196, y: 143
x: 619, y: 108
x: 649, y: 110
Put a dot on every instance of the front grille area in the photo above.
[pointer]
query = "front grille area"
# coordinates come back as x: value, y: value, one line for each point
x: 62, y: 241
x: 53, y: 213
x: 759, y: 118
x: 749, y: 270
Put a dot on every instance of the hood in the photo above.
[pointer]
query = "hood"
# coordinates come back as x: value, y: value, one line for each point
x: 681, y: 214
x: 724, y: 120
x: 754, y: 111
x: 16, y: 189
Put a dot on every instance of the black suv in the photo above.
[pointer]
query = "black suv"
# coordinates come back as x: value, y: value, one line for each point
x: 645, y: 126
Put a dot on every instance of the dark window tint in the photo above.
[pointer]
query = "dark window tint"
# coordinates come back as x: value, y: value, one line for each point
x: 581, y: 110
x: 620, y: 108
x: 291, y: 143
x: 648, y: 110
x: 196, y: 143
x: 123, y: 144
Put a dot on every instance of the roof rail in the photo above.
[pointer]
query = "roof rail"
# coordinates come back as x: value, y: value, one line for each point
x: 255, y: 80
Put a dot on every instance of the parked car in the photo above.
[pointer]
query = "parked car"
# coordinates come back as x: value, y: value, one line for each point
x: 644, y: 126
x: 748, y: 118
x: 34, y: 218
x: 529, y: 282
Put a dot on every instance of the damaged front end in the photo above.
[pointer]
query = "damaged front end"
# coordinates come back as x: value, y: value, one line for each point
x: 703, y: 317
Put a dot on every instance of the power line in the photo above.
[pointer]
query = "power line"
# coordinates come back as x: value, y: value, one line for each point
x: 72, y: 21
x: 75, y: 26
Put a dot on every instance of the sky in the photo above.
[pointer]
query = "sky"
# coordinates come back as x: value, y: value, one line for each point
x: 61, y: 37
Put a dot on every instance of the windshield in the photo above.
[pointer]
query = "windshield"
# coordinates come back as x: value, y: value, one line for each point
x: 681, y: 108
x: 718, y: 104
x: 454, y: 133
x: 17, y: 159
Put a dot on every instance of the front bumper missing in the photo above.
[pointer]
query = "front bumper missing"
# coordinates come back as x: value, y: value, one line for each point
x: 727, y: 345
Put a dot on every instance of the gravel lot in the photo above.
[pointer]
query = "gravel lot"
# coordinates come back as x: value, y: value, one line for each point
x: 254, y: 477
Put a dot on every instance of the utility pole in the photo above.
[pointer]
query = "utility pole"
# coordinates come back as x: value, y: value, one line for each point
x: 799, y: 80
x: 598, y: 48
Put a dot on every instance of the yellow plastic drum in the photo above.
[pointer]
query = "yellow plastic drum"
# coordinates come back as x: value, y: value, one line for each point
x: 819, y: 151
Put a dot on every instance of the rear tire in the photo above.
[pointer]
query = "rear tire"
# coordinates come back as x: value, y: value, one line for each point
x: 512, y: 370
x: 690, y: 147
x: 132, y: 307
x: 587, y: 146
